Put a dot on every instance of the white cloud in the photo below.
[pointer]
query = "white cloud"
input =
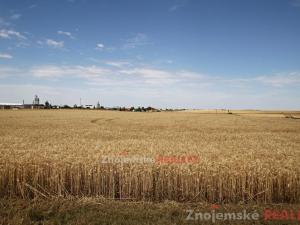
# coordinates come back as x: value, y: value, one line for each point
x: 65, y: 33
x: 23, y: 44
x: 137, y: 40
x: 15, y: 16
x: 54, y: 44
x: 165, y: 77
x: 179, y: 4
x: 5, y: 56
x: 50, y: 71
x: 19, y: 92
x: 174, y: 8
x: 117, y: 74
x: 114, y: 95
x: 167, y: 88
x: 148, y: 73
x: 8, y: 34
x: 118, y: 64
x: 99, y: 46
x: 9, y: 72
x: 123, y: 72
x: 92, y: 72
x: 64, y: 95
x: 280, y: 80
x: 102, y: 47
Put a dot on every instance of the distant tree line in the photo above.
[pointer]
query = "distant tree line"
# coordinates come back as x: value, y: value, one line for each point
x: 131, y: 109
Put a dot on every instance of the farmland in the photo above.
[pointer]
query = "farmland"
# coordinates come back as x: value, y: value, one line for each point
x: 239, y: 158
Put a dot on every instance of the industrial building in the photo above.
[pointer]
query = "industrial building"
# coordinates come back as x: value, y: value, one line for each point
x: 35, y: 105
x: 11, y: 106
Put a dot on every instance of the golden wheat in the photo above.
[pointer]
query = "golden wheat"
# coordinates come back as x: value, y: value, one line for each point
x: 58, y: 153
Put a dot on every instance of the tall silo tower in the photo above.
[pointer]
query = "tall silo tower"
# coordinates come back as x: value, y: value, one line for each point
x: 36, y: 100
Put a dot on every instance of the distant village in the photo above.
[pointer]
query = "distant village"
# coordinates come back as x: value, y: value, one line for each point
x: 47, y: 105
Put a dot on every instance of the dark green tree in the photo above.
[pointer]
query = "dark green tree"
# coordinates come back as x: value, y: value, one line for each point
x: 47, y: 105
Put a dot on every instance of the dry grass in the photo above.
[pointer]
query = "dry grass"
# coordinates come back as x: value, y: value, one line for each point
x: 95, y: 211
x: 241, y: 159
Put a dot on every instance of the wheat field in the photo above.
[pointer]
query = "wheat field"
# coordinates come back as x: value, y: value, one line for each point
x: 239, y: 158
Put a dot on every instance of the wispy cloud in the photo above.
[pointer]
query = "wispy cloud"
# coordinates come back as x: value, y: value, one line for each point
x: 171, y: 87
x: 9, y: 72
x: 125, y: 73
x: 174, y: 8
x: 151, y: 76
x: 5, y: 56
x: 15, y: 16
x: 66, y: 33
x: 137, y: 40
x: 52, y: 71
x: 8, y: 34
x: 100, y: 46
x: 32, y: 6
x: 116, y: 73
x: 178, y: 4
x: 281, y: 80
x: 54, y: 44
x: 4, y: 23
x: 295, y: 3
x: 118, y: 64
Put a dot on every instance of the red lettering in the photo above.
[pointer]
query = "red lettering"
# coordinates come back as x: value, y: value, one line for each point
x: 284, y: 215
x: 268, y: 214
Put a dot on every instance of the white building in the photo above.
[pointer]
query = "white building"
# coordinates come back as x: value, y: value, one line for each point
x: 11, y: 105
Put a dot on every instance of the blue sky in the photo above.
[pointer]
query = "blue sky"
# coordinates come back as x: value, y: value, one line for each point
x: 174, y: 53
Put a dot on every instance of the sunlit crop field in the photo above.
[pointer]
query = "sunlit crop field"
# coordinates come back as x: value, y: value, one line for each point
x: 209, y: 157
